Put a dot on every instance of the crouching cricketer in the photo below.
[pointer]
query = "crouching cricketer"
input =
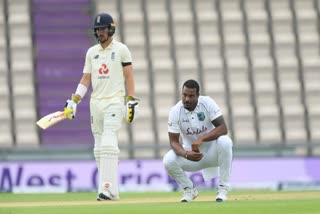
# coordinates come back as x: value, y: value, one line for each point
x: 204, y: 142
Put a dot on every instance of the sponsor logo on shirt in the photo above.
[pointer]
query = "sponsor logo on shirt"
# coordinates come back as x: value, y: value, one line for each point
x: 103, y: 71
x: 184, y: 120
x: 103, y: 77
x: 96, y: 57
x: 112, y: 56
x: 197, y: 131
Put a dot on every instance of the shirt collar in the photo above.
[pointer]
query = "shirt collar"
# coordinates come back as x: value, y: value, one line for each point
x: 196, y: 110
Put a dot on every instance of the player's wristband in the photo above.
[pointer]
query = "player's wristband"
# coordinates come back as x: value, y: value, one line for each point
x: 186, y: 156
x: 76, y: 98
x: 81, y: 90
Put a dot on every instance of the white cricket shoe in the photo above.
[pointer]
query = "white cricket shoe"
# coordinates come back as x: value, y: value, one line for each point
x: 104, y: 196
x: 222, y: 195
x: 189, y: 194
x: 106, y: 193
x: 107, y: 196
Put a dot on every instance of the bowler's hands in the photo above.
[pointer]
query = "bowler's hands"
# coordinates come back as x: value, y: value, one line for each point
x: 194, y: 156
x: 196, y: 145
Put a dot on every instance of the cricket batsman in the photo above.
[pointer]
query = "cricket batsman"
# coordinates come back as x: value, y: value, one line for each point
x: 108, y: 68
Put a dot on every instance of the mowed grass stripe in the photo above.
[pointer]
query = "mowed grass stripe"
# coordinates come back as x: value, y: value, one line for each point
x: 203, y: 207
x: 75, y: 199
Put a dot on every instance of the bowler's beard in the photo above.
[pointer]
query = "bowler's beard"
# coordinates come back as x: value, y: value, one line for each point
x: 189, y: 106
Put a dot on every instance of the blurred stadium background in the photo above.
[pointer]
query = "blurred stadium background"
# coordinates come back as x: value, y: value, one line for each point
x: 259, y: 59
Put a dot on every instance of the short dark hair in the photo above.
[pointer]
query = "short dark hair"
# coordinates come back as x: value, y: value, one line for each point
x: 191, y: 84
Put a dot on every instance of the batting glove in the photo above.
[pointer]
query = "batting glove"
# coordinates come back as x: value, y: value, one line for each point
x: 132, y: 107
x: 70, y: 108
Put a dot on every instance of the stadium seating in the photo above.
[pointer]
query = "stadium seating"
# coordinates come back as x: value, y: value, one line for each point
x: 259, y: 59
x: 21, y: 74
x: 61, y: 39
x: 6, y: 138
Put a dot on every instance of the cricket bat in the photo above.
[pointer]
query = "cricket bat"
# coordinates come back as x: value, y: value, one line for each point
x: 51, y: 119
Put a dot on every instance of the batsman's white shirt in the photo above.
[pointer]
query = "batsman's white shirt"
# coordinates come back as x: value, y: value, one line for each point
x: 105, y: 66
x: 193, y: 124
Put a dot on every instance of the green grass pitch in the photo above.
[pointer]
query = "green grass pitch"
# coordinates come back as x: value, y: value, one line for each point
x: 240, y: 202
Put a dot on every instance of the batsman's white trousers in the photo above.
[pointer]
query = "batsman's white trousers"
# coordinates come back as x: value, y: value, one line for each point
x: 106, y: 120
x: 217, y: 153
